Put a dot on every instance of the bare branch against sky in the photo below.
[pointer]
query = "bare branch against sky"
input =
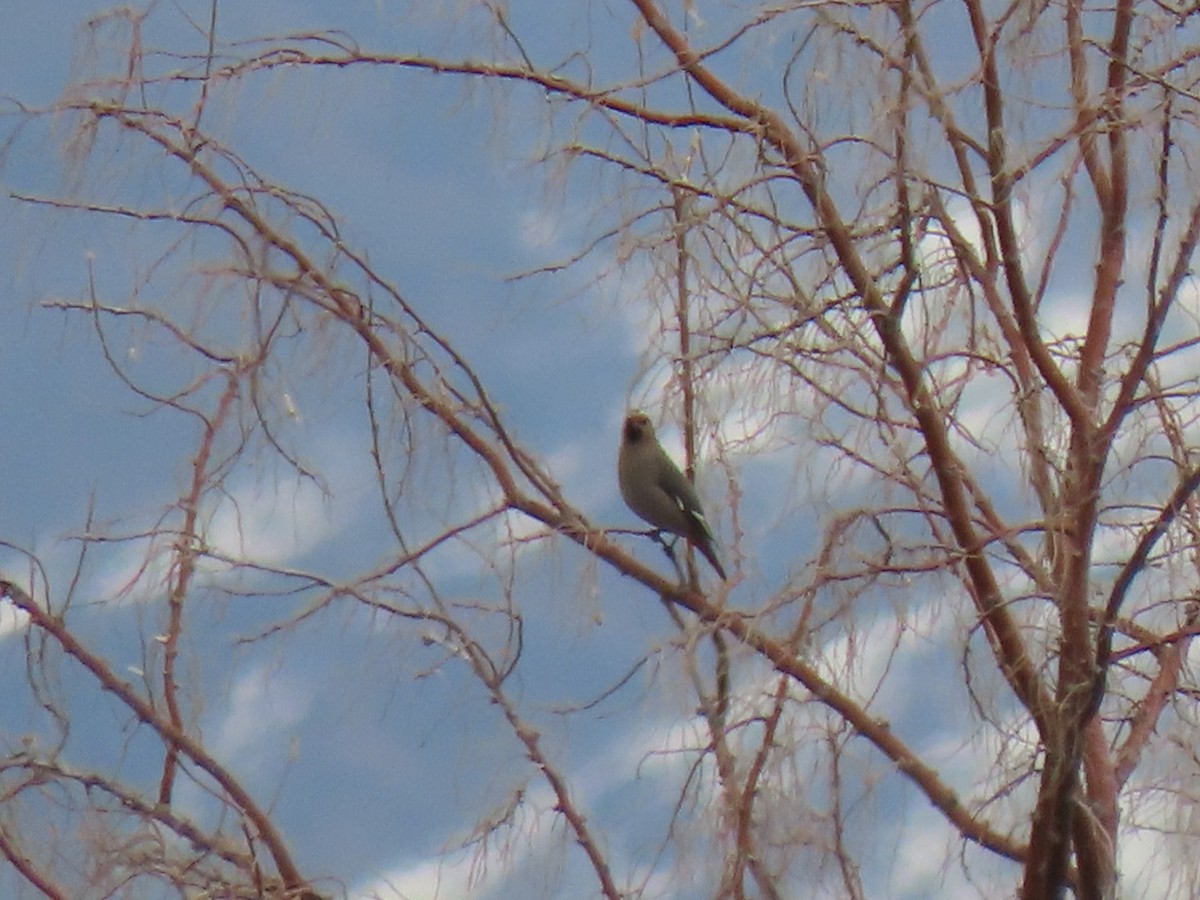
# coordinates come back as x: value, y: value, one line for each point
x: 322, y: 323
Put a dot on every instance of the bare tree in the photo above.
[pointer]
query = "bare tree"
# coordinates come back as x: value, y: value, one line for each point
x: 930, y: 260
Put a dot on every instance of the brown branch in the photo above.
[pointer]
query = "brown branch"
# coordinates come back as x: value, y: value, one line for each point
x: 1007, y: 643
x: 134, y: 802
x: 107, y: 680
x: 745, y: 811
x: 345, y: 306
x: 25, y: 867
x: 1160, y: 304
x: 1113, y: 197
x: 566, y: 806
x: 1135, y: 565
x: 553, y: 85
x: 1145, y: 719
x: 492, y: 676
x: 784, y: 659
x: 1009, y: 245
x: 187, y: 547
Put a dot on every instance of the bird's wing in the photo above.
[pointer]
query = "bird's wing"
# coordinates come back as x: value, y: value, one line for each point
x: 684, y: 495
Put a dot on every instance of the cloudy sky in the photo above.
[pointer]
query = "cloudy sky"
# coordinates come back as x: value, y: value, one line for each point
x: 376, y: 757
x: 373, y: 773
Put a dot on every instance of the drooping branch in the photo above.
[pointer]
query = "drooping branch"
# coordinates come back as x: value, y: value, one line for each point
x: 246, y: 806
x: 1008, y: 644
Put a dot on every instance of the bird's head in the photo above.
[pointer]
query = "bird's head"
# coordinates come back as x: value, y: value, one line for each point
x: 637, y: 428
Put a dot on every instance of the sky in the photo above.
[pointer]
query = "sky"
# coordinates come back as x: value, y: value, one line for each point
x: 375, y: 755
x: 325, y: 725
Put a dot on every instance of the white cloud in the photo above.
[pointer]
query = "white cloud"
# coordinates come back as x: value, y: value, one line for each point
x: 12, y: 620
x: 479, y: 871
x: 1151, y: 864
x: 271, y: 524
x: 16, y: 569
x: 137, y: 571
x: 431, y: 879
x: 539, y: 228
x: 264, y: 705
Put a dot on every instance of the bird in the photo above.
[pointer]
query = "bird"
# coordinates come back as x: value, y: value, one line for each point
x: 657, y: 492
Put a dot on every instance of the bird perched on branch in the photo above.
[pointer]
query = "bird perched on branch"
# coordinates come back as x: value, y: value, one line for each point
x: 655, y: 489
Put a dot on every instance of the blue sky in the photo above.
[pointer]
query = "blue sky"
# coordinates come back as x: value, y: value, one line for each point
x: 328, y: 724
x: 375, y: 753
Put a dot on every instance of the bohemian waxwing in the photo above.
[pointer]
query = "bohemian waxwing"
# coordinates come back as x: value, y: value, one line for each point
x: 655, y: 489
